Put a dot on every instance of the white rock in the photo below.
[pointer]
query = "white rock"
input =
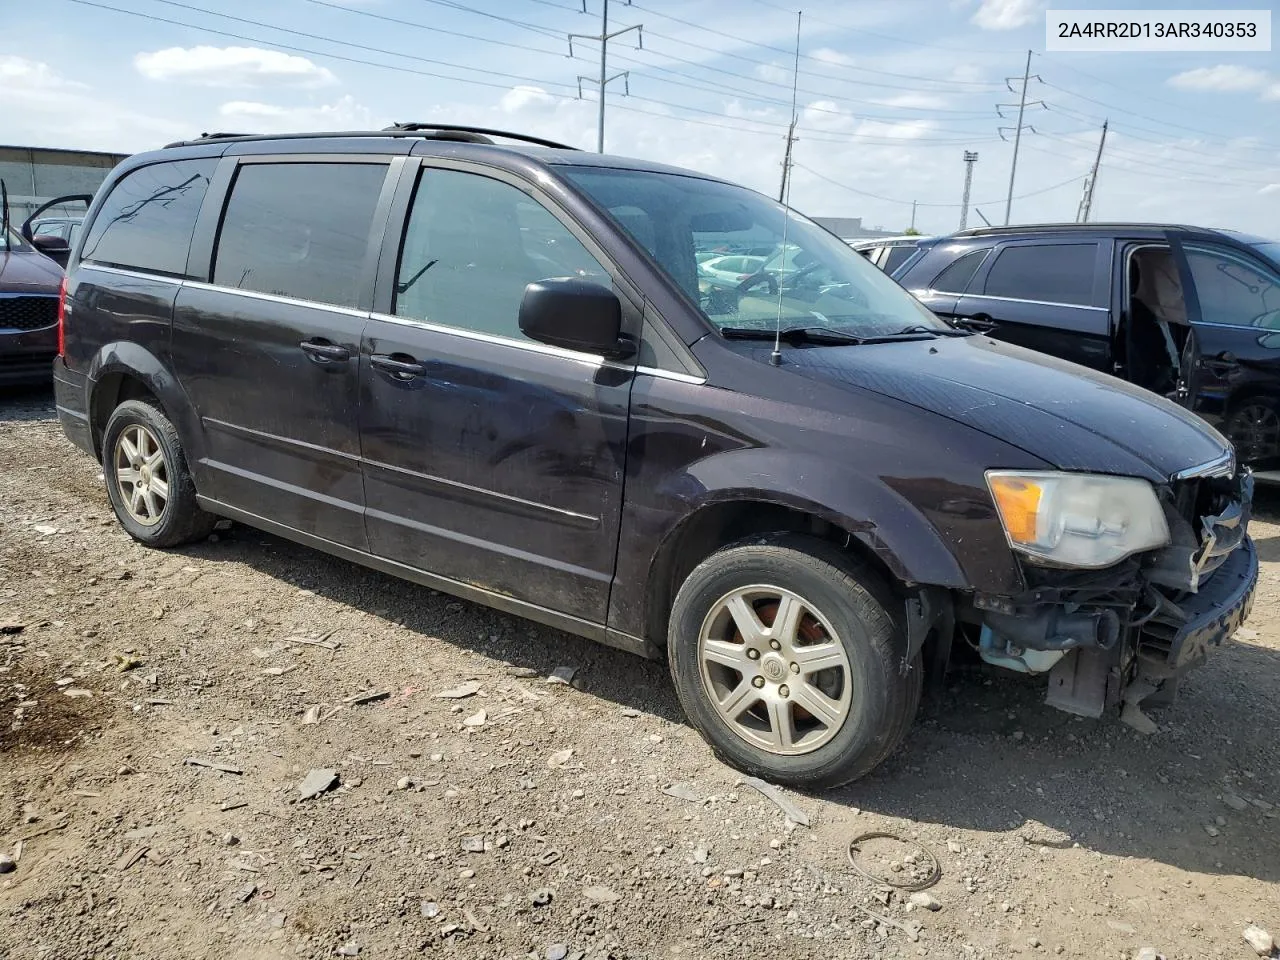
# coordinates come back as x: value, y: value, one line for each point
x: 926, y: 900
x: 1262, y: 942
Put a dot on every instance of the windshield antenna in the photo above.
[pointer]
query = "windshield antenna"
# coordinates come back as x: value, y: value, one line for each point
x: 776, y: 357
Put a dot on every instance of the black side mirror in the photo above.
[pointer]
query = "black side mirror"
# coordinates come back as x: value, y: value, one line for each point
x: 50, y: 243
x: 575, y: 314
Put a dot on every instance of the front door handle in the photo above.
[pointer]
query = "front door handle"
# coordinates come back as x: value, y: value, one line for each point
x: 402, y: 369
x: 322, y: 350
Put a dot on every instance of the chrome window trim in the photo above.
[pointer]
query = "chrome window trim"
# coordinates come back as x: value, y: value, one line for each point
x: 135, y: 274
x: 529, y: 345
x: 1043, y: 303
x: 671, y: 375
x: 1223, y: 465
x: 276, y: 298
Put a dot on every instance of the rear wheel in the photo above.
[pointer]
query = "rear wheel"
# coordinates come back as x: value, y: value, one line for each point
x: 786, y: 659
x: 148, y: 483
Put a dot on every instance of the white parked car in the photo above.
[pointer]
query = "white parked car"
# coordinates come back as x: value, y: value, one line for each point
x: 729, y: 271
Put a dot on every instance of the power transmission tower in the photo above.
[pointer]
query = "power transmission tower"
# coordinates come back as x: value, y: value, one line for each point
x: 1086, y: 202
x: 970, y: 158
x: 603, y: 39
x: 791, y: 130
x: 1017, y: 130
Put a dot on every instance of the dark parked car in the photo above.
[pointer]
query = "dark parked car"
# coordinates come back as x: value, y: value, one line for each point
x: 1190, y: 313
x: 888, y: 253
x: 64, y: 228
x: 29, y: 283
x: 800, y: 493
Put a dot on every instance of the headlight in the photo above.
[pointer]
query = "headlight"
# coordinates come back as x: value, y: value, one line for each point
x: 1077, y: 519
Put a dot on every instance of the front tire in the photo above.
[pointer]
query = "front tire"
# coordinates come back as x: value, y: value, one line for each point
x: 148, y: 483
x: 786, y: 659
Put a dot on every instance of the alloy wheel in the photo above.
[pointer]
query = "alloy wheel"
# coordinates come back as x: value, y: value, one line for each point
x: 1255, y: 431
x: 775, y: 670
x: 142, y: 475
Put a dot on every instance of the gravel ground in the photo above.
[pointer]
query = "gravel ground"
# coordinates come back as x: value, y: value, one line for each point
x: 159, y: 712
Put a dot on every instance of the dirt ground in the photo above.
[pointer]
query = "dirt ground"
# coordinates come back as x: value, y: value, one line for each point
x: 159, y: 711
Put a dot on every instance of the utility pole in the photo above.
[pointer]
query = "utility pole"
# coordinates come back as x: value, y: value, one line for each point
x: 791, y: 130
x: 913, y: 216
x: 970, y: 158
x: 625, y: 75
x: 1086, y: 203
x: 1017, y: 130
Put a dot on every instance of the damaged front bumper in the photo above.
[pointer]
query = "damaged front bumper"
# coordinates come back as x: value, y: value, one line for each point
x: 1128, y: 634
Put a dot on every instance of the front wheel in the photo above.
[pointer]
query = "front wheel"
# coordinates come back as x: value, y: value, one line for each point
x: 148, y: 482
x: 787, y: 660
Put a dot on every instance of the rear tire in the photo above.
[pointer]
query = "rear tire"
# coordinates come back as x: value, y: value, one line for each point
x: 788, y: 662
x: 148, y: 483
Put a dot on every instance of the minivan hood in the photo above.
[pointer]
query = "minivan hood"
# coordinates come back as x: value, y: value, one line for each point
x: 1064, y: 414
x: 27, y: 271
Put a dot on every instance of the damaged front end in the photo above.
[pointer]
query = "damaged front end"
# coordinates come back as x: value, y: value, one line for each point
x: 1128, y: 633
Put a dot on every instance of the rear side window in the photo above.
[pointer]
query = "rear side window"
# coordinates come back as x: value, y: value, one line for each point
x: 299, y: 230
x: 955, y: 278
x: 147, y: 220
x: 1049, y: 272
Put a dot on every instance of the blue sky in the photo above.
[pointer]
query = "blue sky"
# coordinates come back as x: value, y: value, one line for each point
x: 892, y: 92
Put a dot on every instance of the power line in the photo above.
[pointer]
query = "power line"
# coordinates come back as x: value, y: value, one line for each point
x: 923, y: 203
x: 882, y: 36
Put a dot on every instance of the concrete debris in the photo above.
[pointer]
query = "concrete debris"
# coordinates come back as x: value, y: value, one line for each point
x: 1234, y: 802
x: 317, y: 782
x: 562, y: 675
x: 429, y: 909
x: 1210, y: 829
x: 682, y: 791
x: 1148, y: 953
x: 523, y: 673
x: 312, y: 715
x: 559, y: 758
x: 601, y: 895
x: 557, y: 951
x: 925, y: 900
x: 244, y: 894
x: 1262, y: 942
x: 468, y: 689
x: 477, y: 719
x: 473, y: 844
x: 348, y: 950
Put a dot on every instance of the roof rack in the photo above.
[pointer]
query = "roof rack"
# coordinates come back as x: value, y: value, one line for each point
x: 437, y: 131
x: 1066, y: 228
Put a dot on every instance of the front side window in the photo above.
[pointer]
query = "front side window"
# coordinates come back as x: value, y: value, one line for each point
x: 471, y: 247
x: 807, y: 277
x: 299, y: 230
x: 1233, y: 289
x: 1047, y: 272
x: 147, y: 220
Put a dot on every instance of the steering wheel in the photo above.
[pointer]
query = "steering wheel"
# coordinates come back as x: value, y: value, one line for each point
x: 756, y: 279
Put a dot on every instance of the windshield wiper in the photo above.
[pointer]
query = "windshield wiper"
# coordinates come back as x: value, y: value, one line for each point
x: 794, y: 335
x: 920, y: 329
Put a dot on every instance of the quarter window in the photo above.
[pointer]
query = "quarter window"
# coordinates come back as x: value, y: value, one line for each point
x: 955, y: 278
x: 147, y: 220
x: 299, y: 230
x: 1233, y: 289
x: 1048, y: 272
x: 471, y: 247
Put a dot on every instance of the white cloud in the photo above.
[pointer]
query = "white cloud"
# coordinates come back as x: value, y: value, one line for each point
x: 834, y: 57
x: 913, y: 100
x: 231, y: 67
x: 1228, y: 78
x: 256, y: 117
x: 1006, y: 14
x: 526, y: 98
x: 1269, y: 189
x: 45, y: 108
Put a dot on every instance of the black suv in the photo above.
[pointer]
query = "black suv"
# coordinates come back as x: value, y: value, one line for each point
x: 490, y: 369
x: 1189, y: 313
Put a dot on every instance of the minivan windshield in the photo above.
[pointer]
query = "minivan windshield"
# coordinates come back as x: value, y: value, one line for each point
x: 810, y: 275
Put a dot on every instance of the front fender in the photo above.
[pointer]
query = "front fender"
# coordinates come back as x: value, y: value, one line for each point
x: 899, y: 535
